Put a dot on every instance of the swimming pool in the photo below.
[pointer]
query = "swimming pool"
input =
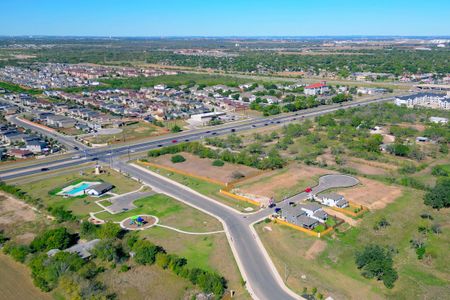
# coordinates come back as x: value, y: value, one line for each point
x: 78, y: 189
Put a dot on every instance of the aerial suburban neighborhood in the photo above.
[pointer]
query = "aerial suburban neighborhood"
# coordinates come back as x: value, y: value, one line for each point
x: 224, y: 150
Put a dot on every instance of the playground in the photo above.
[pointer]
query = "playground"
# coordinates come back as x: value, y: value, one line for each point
x: 139, y: 222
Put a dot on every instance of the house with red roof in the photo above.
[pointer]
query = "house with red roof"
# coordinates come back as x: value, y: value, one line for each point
x: 316, y: 89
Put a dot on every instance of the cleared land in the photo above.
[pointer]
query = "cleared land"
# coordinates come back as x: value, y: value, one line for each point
x: 284, y: 182
x: 203, y: 167
x: 206, y: 188
x: 15, y: 281
x: 12, y: 210
x: 333, y: 271
x: 136, y: 131
x: 371, y: 193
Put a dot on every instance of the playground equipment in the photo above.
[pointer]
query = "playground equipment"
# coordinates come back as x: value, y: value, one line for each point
x: 138, y: 220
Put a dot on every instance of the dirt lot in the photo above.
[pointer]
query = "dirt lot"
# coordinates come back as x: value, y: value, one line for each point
x: 284, y: 182
x: 15, y: 281
x: 204, y: 167
x: 316, y: 248
x: 371, y: 193
x: 12, y: 210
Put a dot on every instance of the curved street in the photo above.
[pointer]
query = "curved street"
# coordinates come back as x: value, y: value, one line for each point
x: 257, y: 269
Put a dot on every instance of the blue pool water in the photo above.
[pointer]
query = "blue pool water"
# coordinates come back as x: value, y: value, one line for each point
x: 78, y: 189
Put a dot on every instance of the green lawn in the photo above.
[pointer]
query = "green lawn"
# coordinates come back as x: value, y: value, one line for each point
x: 210, y: 252
x: 206, y: 188
x: 333, y: 271
x: 170, y: 212
x: 81, y: 206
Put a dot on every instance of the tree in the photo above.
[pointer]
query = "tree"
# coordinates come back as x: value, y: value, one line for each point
x: 58, y: 238
x: 108, y: 250
x: 145, y: 252
x: 376, y: 262
x: 175, y: 129
x: 109, y: 230
x: 177, y: 159
x: 439, y: 196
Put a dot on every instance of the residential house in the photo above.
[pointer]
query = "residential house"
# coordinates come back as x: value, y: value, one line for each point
x: 297, y: 216
x: 20, y: 153
x: 316, y: 89
x: 315, y: 211
x: 333, y: 200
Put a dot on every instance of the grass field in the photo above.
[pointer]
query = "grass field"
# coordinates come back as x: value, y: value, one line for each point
x: 80, y: 206
x: 211, y: 252
x: 170, y: 212
x: 15, y: 281
x: 334, y: 272
x: 205, y: 188
x: 146, y: 282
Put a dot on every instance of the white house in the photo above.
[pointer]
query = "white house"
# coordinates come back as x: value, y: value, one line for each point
x: 333, y: 200
x: 316, y: 89
x: 314, y: 211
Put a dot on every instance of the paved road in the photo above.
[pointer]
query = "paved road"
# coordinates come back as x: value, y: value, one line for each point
x: 106, y: 154
x: 65, y: 140
x: 253, y: 261
x: 124, y: 202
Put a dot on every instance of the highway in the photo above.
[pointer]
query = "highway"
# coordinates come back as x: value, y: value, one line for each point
x: 255, y: 265
x: 106, y: 154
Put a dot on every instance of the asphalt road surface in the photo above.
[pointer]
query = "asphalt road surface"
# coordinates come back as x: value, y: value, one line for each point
x: 108, y: 154
x: 256, y: 266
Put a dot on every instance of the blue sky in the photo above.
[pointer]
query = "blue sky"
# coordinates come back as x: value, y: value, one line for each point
x: 224, y: 17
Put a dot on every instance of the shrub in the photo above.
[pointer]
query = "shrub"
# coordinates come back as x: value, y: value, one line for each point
x: 17, y: 252
x: 177, y: 159
x: 218, y: 163
x: 124, y: 268
x: 237, y: 175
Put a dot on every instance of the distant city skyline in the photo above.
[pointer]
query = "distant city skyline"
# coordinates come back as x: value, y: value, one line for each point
x: 232, y: 18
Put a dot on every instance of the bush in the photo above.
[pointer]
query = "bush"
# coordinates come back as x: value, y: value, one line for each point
x: 439, y: 171
x: 109, y: 230
x: 17, y: 252
x: 61, y: 214
x: 124, y: 268
x: 218, y: 163
x: 177, y: 159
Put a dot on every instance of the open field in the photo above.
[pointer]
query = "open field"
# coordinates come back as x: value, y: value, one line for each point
x: 203, y: 167
x: 333, y: 271
x: 136, y: 131
x: 146, y: 282
x: 170, y: 212
x: 15, y: 281
x: 211, y: 252
x: 80, y: 206
x: 12, y: 210
x: 283, y: 182
x: 206, y: 188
